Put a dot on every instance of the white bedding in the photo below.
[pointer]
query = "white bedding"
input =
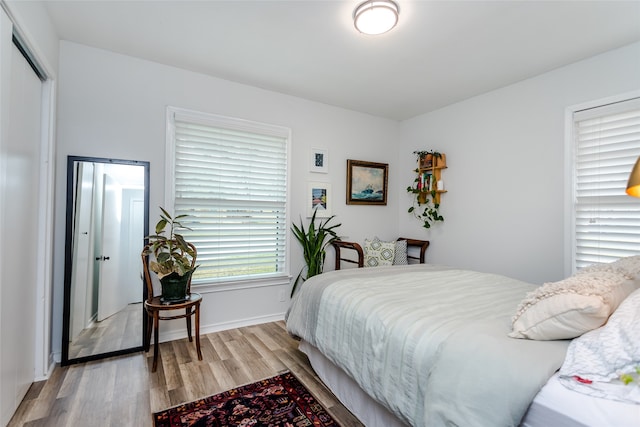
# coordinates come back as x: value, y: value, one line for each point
x: 385, y: 328
x: 553, y: 406
x: 595, y: 360
x: 558, y: 406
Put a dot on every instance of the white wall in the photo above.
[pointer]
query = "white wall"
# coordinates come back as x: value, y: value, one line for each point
x: 504, y: 210
x: 114, y: 106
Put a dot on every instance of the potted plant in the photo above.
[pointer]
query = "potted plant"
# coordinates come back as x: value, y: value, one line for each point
x: 427, y: 157
x: 174, y: 257
x: 314, y: 242
x: 425, y: 206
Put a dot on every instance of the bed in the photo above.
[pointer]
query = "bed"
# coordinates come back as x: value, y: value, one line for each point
x: 379, y: 340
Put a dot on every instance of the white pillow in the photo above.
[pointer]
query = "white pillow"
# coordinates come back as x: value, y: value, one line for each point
x: 377, y: 252
x: 400, y: 257
x: 571, y: 307
x: 599, y: 357
x: 628, y: 265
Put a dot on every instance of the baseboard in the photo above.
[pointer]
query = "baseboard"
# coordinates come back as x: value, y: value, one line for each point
x: 51, y: 367
x: 217, y: 327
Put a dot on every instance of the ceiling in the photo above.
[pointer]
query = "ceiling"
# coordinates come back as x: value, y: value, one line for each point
x: 440, y: 52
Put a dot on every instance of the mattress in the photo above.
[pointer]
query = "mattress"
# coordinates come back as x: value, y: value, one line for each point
x: 553, y: 406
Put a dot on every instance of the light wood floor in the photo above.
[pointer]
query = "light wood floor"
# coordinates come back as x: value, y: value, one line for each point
x: 119, y: 331
x: 122, y: 391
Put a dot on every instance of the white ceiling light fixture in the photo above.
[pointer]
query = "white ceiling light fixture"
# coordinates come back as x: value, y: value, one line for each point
x: 376, y: 16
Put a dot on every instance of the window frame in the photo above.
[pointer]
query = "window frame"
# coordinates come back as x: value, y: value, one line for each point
x: 570, y: 176
x: 222, y: 284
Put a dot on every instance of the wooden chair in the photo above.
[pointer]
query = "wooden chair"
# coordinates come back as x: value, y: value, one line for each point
x: 423, y: 245
x: 352, y: 247
x: 154, y: 306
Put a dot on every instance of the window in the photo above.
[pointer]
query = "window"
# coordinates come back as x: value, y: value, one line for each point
x: 230, y: 177
x: 606, y: 220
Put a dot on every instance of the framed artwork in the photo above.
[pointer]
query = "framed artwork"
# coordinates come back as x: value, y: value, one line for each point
x: 319, y: 199
x: 319, y: 161
x: 367, y: 183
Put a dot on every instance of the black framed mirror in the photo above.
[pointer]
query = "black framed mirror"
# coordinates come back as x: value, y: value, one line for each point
x: 107, y: 218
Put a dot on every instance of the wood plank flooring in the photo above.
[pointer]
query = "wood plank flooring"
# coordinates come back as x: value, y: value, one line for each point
x: 121, y: 330
x: 122, y: 391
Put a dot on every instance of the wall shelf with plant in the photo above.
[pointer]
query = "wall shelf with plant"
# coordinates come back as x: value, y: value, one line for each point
x: 427, y: 187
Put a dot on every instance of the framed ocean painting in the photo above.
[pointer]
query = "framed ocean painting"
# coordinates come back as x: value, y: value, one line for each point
x: 366, y: 182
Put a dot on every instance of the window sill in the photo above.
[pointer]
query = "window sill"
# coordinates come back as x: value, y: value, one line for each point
x: 234, y: 285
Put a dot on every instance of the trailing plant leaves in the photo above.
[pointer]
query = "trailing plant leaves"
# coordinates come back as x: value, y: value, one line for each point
x: 430, y: 213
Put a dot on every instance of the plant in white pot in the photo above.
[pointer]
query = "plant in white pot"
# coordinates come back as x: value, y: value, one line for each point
x: 174, y: 261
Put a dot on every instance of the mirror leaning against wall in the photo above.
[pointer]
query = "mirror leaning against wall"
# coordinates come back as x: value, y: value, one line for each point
x: 107, y: 219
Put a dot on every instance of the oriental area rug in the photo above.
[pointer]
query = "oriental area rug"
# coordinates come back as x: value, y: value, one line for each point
x: 280, y: 401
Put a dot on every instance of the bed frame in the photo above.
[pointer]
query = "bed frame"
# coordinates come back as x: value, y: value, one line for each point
x: 352, y: 247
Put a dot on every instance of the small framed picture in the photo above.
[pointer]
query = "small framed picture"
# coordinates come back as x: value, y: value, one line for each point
x: 367, y: 183
x: 319, y: 199
x: 319, y: 161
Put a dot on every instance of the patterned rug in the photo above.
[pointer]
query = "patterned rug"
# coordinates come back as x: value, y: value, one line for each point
x: 280, y: 401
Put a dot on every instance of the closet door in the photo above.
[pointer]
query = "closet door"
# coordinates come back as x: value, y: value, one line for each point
x: 19, y: 188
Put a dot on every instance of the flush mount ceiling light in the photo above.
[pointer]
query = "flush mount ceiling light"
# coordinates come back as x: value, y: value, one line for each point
x: 376, y: 16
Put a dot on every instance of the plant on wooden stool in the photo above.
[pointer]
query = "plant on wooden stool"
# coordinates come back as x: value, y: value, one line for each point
x: 174, y: 257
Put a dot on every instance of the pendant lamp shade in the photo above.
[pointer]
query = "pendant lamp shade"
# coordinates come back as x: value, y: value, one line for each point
x: 376, y: 16
x: 633, y: 185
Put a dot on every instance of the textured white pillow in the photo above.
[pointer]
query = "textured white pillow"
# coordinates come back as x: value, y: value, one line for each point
x: 571, y: 307
x: 377, y: 252
x: 628, y: 265
x: 600, y: 356
x: 400, y: 257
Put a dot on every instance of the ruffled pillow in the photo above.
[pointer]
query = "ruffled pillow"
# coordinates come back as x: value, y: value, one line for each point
x: 571, y: 307
x: 629, y: 266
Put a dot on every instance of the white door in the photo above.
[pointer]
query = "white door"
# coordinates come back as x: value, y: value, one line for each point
x: 21, y: 98
x: 133, y: 273
x: 82, y: 253
x: 112, y: 292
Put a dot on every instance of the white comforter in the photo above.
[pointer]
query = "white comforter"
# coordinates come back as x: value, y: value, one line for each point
x: 429, y: 343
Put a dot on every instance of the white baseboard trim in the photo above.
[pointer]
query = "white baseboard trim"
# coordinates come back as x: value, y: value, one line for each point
x: 217, y: 327
x: 54, y: 359
x: 52, y: 365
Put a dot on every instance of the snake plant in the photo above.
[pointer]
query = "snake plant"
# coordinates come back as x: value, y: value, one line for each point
x: 314, y: 241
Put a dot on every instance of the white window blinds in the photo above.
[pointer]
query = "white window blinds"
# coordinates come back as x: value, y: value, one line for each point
x: 607, y: 220
x: 230, y: 178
